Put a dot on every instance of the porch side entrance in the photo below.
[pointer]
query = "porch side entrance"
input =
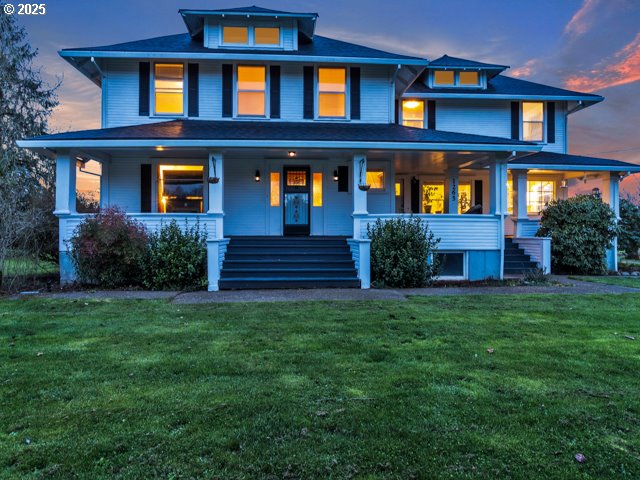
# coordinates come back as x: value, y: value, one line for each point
x: 296, y: 201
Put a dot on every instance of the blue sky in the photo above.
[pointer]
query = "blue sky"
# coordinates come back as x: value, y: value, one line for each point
x: 589, y: 45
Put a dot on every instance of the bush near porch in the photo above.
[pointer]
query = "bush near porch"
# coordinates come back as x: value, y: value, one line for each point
x: 403, y: 253
x: 629, y: 235
x: 581, y: 229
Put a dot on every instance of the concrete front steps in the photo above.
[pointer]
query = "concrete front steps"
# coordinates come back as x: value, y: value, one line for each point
x: 516, y: 262
x: 288, y: 262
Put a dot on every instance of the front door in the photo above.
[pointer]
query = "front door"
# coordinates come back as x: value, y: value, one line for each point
x: 296, y: 200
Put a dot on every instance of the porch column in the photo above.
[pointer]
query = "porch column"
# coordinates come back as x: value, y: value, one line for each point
x: 451, y: 186
x: 216, y: 245
x: 498, y: 201
x: 611, y: 195
x: 65, y: 183
x: 104, y: 183
x: 361, y: 244
x: 520, y: 199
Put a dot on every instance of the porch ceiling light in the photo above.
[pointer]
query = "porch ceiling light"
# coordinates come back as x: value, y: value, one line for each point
x: 291, y: 154
x: 257, y: 176
x: 160, y: 148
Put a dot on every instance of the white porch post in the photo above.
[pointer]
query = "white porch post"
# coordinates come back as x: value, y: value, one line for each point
x: 611, y: 195
x: 451, y: 186
x: 520, y: 200
x: 104, y: 183
x: 65, y: 183
x: 498, y: 201
x: 362, y: 244
x: 216, y: 245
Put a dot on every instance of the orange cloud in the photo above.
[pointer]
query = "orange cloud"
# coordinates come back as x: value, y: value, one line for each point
x: 525, y: 70
x: 581, y: 21
x: 623, y: 68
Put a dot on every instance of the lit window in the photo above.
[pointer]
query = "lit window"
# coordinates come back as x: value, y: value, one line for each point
x: 169, y: 87
x: 532, y: 121
x: 332, y: 88
x: 267, y: 35
x: 275, y: 189
x: 375, y: 178
x: 539, y: 194
x: 317, y: 189
x: 433, y: 198
x: 88, y: 175
x: 444, y: 77
x: 237, y: 35
x: 464, y: 197
x: 413, y: 113
x: 180, y: 188
x: 468, y: 78
x: 251, y: 90
x: 296, y: 178
x: 398, y: 189
x: 510, y: 197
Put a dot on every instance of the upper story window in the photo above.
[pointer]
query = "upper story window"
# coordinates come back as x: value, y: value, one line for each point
x: 249, y: 36
x: 169, y: 89
x: 332, y: 92
x: 235, y: 35
x: 413, y: 113
x: 444, y: 77
x: 469, y: 78
x: 251, y: 87
x: 267, y: 35
x: 533, y: 121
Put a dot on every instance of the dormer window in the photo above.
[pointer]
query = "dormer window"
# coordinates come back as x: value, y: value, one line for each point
x: 235, y: 35
x: 251, y: 36
x: 267, y: 36
x: 469, y: 79
x: 444, y: 77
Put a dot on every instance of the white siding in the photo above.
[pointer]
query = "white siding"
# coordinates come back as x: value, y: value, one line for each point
x: 124, y: 183
x: 559, y: 146
x: 245, y: 200
x: 377, y: 94
x: 480, y: 117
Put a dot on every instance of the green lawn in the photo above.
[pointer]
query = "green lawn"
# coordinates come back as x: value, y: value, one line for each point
x: 146, y: 389
x: 28, y: 266
x: 633, y: 282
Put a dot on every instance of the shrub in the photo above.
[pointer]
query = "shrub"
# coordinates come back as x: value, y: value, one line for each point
x: 400, y: 253
x: 108, y: 249
x: 176, y: 258
x: 629, y: 228
x: 581, y: 229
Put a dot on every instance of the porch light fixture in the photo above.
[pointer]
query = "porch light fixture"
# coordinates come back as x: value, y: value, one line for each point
x: 291, y: 154
x: 257, y: 177
x: 596, y: 192
x: 159, y: 148
x: 563, y: 184
x: 335, y: 176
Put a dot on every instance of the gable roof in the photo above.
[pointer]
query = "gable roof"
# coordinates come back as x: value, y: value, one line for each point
x: 278, y: 134
x: 503, y: 87
x: 446, y: 61
x: 562, y: 161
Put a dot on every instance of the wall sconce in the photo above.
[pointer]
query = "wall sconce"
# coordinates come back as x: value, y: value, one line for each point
x: 257, y: 178
x: 596, y: 192
x: 291, y: 154
x: 335, y: 176
x: 563, y: 184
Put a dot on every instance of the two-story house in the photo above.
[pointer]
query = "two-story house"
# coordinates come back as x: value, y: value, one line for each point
x: 285, y: 145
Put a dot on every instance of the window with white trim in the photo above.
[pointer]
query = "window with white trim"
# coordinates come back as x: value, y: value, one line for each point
x: 413, y: 113
x: 332, y: 92
x: 533, y: 121
x: 251, y: 90
x: 169, y: 88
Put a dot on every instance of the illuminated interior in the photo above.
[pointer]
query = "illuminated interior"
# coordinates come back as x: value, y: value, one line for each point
x: 398, y: 189
x: 539, y: 194
x: 464, y: 197
x: 375, y: 178
x: 444, y: 77
x: 317, y: 189
x: 413, y: 113
x: 267, y: 35
x: 169, y: 88
x: 532, y: 121
x: 252, y: 86
x: 275, y: 189
x: 332, y: 88
x: 180, y: 188
x: 469, y: 78
x: 433, y: 197
x: 238, y: 35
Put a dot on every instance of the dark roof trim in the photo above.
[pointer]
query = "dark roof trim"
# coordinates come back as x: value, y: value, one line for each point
x: 446, y: 61
x: 561, y: 161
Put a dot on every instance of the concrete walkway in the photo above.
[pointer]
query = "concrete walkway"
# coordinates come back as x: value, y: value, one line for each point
x: 562, y: 285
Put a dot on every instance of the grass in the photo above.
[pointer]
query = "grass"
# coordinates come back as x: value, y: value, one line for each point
x: 146, y: 389
x: 633, y: 282
x: 28, y: 266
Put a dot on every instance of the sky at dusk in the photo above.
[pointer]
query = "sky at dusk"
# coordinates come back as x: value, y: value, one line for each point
x: 585, y: 45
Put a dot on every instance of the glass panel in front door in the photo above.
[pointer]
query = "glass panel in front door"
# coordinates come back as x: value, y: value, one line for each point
x: 296, y: 208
